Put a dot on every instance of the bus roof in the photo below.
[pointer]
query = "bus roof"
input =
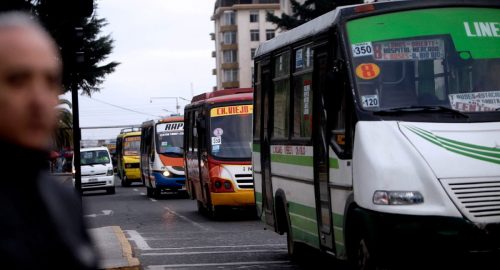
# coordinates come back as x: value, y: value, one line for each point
x: 324, y: 22
x: 167, y: 119
x: 129, y: 134
x: 225, y: 95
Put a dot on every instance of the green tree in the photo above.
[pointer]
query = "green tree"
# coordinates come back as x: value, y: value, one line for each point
x: 302, y: 13
x: 63, y: 137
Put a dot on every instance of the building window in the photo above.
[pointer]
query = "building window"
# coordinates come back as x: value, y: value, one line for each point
x: 230, y: 75
x: 230, y: 56
x: 252, y: 53
x: 269, y: 34
x: 229, y: 18
x: 254, y: 16
x: 254, y: 35
x: 229, y: 37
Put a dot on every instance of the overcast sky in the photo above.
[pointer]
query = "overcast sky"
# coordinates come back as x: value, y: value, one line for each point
x: 164, y: 47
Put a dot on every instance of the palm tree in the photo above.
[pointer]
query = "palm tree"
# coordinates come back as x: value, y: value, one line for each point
x: 63, y: 136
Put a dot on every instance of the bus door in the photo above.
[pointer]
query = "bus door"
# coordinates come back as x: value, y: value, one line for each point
x: 265, y: 149
x: 321, y: 143
x: 202, y: 122
x: 149, y: 154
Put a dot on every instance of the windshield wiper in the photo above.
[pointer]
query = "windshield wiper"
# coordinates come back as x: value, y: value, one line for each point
x: 421, y: 108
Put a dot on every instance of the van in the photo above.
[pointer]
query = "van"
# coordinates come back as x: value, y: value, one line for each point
x: 97, y: 169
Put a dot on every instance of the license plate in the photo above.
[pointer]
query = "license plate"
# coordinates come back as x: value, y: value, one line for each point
x: 93, y: 180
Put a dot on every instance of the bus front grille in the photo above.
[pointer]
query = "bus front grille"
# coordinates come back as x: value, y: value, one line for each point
x: 478, y: 200
x: 244, y: 181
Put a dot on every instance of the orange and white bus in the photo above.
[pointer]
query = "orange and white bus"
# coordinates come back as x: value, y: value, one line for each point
x: 217, y: 143
x: 162, y: 165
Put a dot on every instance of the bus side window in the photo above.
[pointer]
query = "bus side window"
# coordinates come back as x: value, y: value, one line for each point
x: 195, y: 131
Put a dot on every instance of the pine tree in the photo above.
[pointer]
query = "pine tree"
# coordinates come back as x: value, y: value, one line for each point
x: 302, y: 13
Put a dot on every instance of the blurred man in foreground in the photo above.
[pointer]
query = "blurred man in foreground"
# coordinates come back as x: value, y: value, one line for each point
x: 41, y: 224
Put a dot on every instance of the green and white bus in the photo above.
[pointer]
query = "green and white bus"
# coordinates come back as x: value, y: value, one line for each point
x: 377, y: 130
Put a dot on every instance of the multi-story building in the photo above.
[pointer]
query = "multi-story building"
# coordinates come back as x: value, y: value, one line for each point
x: 240, y: 26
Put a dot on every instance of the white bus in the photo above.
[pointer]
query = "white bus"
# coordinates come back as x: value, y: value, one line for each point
x: 377, y: 130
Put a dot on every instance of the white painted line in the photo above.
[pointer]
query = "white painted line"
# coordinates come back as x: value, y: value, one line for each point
x: 213, y: 252
x: 153, y: 200
x: 104, y: 213
x: 213, y: 247
x: 136, y: 189
x: 142, y: 193
x: 138, y: 239
x: 166, y: 266
x: 198, y: 225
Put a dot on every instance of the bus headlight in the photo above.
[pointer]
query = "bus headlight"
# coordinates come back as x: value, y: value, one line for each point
x: 383, y: 197
x: 166, y: 173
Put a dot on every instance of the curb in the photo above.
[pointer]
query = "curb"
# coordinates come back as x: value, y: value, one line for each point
x: 133, y: 263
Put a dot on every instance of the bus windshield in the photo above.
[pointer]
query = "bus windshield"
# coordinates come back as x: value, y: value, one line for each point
x: 442, y: 58
x: 231, y: 131
x: 131, y: 146
x: 94, y: 157
x: 169, y: 139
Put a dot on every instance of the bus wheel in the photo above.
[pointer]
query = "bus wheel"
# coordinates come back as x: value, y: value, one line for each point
x: 361, y: 256
x: 125, y: 182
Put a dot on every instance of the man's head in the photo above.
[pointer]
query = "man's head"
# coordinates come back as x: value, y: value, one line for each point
x: 30, y: 82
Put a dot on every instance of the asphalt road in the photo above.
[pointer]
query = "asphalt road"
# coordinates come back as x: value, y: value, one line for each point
x: 169, y: 233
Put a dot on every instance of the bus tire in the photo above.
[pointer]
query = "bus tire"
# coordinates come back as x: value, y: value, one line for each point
x: 111, y: 190
x: 125, y: 182
x: 359, y: 252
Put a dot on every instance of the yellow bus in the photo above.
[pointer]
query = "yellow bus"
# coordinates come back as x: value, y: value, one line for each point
x: 127, y: 155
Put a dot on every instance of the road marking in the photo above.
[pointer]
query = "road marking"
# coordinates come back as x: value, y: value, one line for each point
x: 153, y: 200
x: 142, y: 193
x: 104, y: 213
x: 166, y: 266
x: 136, y: 189
x: 209, y: 247
x: 198, y: 225
x: 138, y: 239
x: 213, y: 252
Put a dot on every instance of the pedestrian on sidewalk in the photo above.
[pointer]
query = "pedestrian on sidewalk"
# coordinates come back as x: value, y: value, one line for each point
x: 41, y: 222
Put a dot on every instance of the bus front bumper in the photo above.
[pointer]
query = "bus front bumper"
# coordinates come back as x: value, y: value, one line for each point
x: 400, y: 236
x: 176, y: 182
x: 240, y: 198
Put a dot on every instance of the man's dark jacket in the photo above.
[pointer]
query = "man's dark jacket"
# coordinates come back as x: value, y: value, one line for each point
x: 41, y: 222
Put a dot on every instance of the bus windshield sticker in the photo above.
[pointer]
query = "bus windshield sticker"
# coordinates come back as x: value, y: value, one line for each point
x: 367, y: 71
x: 362, y: 49
x: 231, y: 110
x: 215, y: 148
x: 369, y: 101
x: 420, y: 49
x: 476, y: 101
x: 218, y: 132
x: 216, y: 140
x: 307, y: 89
x: 299, y: 62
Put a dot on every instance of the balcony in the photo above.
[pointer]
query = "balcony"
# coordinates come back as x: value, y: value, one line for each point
x: 212, y: 36
x: 228, y: 28
x: 235, y: 84
x: 226, y: 47
x: 229, y: 65
x: 214, y: 54
x: 214, y: 71
x: 229, y: 3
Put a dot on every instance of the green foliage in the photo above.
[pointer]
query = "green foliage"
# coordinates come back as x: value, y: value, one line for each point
x: 302, y: 13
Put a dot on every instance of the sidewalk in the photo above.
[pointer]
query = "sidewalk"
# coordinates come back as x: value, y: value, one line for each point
x: 114, y: 249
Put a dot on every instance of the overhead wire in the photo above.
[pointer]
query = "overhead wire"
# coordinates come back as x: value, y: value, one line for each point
x: 120, y: 107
